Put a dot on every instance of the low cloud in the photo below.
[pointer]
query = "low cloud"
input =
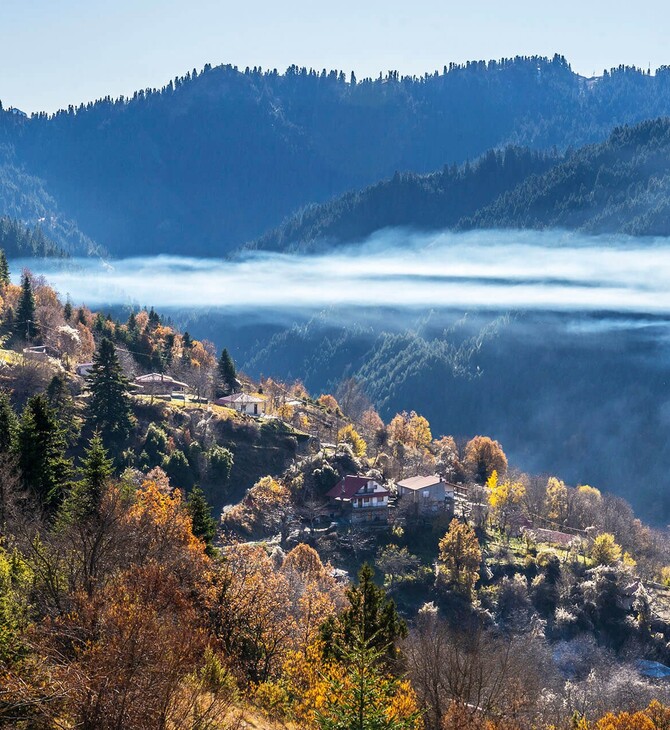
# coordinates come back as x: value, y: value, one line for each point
x: 489, y: 270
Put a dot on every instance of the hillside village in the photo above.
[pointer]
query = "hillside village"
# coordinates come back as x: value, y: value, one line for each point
x: 256, y: 477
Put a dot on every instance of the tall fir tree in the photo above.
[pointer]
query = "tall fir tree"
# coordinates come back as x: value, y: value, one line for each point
x: 227, y: 376
x: 4, y: 269
x: 204, y: 525
x: 8, y: 424
x: 85, y: 498
x: 109, y: 407
x: 360, y: 695
x: 371, y: 616
x: 25, y: 326
x: 45, y: 470
x: 61, y: 400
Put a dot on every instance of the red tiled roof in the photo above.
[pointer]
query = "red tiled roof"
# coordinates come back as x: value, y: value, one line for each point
x: 346, y: 488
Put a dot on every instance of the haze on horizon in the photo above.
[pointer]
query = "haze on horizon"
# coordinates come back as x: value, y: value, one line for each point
x: 55, y: 54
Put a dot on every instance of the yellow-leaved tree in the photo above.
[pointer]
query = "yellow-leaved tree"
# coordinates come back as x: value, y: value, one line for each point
x: 504, y: 495
x: 557, y: 500
x: 349, y: 435
x: 459, y: 559
x: 605, y: 550
x: 483, y: 456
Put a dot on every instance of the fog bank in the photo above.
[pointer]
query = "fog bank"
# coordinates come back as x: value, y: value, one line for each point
x: 476, y: 270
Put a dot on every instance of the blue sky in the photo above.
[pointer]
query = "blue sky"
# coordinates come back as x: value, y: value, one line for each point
x: 56, y: 52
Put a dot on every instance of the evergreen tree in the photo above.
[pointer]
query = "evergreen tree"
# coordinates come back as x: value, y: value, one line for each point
x: 85, y: 499
x: 97, y: 469
x: 226, y: 374
x: 178, y: 469
x: 8, y: 424
x: 9, y: 321
x: 371, y: 615
x: 109, y: 408
x: 204, y: 525
x: 67, y: 311
x: 46, y: 472
x: 359, y: 697
x: 186, y: 345
x: 25, y: 326
x: 4, y: 269
x: 62, y: 402
x: 155, y: 446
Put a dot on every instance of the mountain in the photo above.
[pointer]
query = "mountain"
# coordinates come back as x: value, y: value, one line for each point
x: 621, y: 185
x: 430, y: 202
x: 214, y: 159
x: 26, y: 205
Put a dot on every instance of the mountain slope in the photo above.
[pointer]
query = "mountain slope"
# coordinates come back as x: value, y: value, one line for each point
x: 436, y: 201
x: 25, y: 200
x: 621, y: 185
x: 20, y: 241
x: 216, y: 158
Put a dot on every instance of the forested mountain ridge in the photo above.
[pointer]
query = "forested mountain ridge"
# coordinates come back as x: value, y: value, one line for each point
x: 429, y: 202
x: 216, y: 158
x: 620, y: 185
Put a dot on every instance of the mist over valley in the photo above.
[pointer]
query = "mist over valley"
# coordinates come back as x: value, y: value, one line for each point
x: 555, y: 343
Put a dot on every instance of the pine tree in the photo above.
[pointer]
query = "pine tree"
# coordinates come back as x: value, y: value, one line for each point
x: 85, y: 499
x: 46, y: 472
x: 358, y: 694
x: 178, y: 469
x: 371, y: 615
x: 109, y: 408
x: 226, y: 374
x: 9, y: 321
x: 25, y: 326
x: 62, y: 402
x: 204, y: 525
x: 8, y: 424
x: 67, y: 311
x: 4, y: 269
x: 186, y: 346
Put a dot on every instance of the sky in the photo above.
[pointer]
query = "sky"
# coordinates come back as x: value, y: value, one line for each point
x: 59, y: 52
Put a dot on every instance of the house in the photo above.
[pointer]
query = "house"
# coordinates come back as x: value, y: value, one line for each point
x: 365, y: 499
x: 251, y: 405
x: 160, y: 384
x: 552, y: 537
x: 39, y: 352
x: 84, y: 368
x: 428, y: 494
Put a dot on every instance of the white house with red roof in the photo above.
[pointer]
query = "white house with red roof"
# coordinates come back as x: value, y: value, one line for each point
x: 366, y: 499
